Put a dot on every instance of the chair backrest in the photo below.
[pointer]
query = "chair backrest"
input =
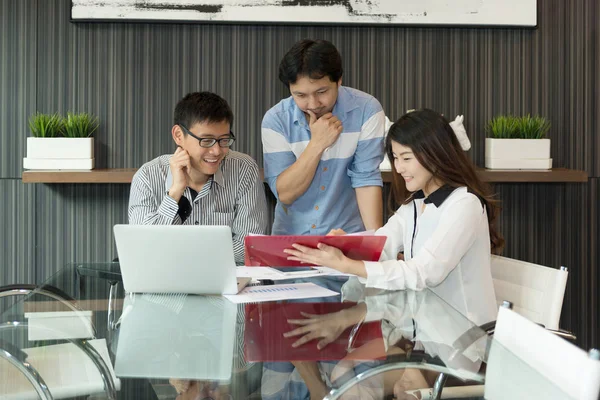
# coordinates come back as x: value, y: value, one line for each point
x: 386, y: 164
x: 535, y: 291
x: 527, y: 361
x: 78, y: 375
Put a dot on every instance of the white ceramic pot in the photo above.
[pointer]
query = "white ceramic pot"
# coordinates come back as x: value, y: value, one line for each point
x: 517, y: 154
x: 59, y: 153
x: 70, y: 148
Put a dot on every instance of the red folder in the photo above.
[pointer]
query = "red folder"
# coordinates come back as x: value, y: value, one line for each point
x: 267, y: 322
x: 267, y: 251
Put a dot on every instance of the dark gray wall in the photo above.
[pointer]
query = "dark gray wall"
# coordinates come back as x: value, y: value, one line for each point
x: 131, y: 76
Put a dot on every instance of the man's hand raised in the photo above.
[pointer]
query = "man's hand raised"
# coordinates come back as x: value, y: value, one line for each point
x: 324, y: 131
x: 180, y: 170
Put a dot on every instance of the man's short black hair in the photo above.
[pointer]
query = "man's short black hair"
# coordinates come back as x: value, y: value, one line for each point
x: 202, y: 107
x: 312, y: 58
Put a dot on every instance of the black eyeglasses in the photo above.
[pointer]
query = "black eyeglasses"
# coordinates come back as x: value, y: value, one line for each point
x: 208, y: 142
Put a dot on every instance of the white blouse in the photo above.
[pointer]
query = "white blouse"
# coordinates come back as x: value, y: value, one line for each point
x: 447, y: 251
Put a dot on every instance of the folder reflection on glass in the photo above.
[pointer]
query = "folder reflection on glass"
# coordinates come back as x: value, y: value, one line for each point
x: 267, y: 251
x: 266, y: 323
x: 176, y: 336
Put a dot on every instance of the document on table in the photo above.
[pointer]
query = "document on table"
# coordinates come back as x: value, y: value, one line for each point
x: 257, y: 294
x: 269, y: 251
x: 273, y: 274
x: 361, y: 233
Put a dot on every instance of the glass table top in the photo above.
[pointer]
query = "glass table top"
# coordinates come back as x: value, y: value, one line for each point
x: 80, y: 334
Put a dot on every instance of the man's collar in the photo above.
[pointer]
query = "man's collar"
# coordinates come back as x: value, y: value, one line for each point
x: 218, y: 176
x: 437, y: 197
x: 299, y: 116
x: 345, y: 102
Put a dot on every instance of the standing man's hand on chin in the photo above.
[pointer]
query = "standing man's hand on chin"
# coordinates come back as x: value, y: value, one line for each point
x: 180, y: 170
x: 324, y: 131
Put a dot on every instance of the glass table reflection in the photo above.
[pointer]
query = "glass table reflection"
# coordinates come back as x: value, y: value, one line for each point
x: 95, y: 339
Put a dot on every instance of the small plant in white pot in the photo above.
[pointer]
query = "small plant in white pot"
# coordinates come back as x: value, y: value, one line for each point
x: 61, y: 143
x: 517, y: 143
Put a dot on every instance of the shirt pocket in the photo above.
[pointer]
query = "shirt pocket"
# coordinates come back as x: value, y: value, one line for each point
x: 222, y: 218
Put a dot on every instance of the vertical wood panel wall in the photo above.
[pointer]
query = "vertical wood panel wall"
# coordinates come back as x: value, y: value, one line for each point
x: 131, y: 76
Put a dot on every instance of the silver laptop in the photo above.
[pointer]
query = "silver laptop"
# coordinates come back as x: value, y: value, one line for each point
x: 191, y: 259
x: 176, y: 336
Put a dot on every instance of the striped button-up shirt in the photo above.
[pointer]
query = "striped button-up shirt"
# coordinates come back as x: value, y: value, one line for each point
x: 351, y: 162
x: 234, y: 196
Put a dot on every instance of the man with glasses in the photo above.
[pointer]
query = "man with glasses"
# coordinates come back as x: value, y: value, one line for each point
x: 203, y: 182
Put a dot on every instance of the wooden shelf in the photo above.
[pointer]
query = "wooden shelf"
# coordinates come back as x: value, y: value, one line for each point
x: 119, y: 175
x: 124, y: 175
x: 515, y: 176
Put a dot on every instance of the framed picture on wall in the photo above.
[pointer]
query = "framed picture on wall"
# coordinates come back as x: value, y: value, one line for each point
x: 312, y: 12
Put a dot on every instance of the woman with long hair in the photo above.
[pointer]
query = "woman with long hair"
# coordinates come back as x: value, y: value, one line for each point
x: 446, y: 226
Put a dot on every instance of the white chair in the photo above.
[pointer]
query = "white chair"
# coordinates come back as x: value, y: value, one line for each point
x: 65, y: 370
x: 85, y: 365
x: 386, y: 164
x: 535, y: 291
x: 526, y: 361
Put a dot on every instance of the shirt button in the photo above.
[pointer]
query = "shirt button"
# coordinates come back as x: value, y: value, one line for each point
x: 313, y: 226
x: 317, y: 208
x: 325, y: 169
x: 322, y: 187
x: 197, y: 223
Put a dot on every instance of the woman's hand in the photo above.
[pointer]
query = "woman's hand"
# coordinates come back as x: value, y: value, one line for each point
x: 327, y: 256
x: 323, y: 255
x: 336, y: 232
x: 327, y: 327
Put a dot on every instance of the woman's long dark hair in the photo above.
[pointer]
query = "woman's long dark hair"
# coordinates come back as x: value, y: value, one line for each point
x: 433, y: 142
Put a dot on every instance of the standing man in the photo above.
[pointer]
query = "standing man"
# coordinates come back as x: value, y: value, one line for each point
x: 203, y: 182
x: 322, y: 147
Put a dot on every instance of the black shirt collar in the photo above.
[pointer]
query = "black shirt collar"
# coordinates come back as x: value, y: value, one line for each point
x: 437, y: 197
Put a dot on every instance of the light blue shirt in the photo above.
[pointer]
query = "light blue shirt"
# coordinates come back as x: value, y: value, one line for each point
x: 351, y: 162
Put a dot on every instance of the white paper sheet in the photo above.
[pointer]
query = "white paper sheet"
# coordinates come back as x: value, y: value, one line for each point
x: 331, y: 272
x: 258, y: 294
x: 277, y: 275
x: 370, y: 232
x: 259, y: 273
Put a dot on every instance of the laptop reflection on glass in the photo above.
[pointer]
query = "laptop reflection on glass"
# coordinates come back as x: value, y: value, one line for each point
x: 176, y: 336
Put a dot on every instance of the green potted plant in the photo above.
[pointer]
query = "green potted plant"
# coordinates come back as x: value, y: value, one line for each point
x: 61, y: 143
x: 517, y: 143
